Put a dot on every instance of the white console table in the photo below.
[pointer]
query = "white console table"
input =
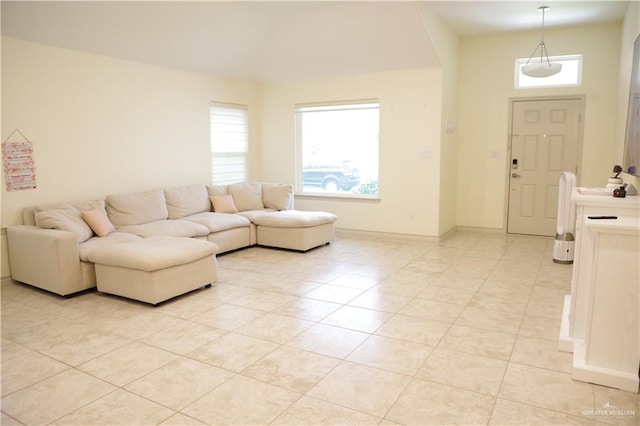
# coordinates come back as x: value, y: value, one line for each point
x: 601, y: 317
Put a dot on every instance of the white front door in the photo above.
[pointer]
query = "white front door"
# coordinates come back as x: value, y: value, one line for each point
x: 544, y: 143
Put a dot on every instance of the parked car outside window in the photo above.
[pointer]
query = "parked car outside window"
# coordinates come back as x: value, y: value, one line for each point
x: 331, y: 177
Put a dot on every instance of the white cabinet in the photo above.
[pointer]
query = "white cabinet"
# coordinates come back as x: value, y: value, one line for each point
x: 601, y: 317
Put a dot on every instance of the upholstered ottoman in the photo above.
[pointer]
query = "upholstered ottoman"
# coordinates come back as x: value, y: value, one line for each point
x: 294, y: 229
x: 156, y: 268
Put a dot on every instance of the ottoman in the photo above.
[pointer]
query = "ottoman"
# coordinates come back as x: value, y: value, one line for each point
x: 294, y: 229
x: 156, y: 268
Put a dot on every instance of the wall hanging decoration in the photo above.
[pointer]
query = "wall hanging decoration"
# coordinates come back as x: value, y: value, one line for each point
x: 17, y: 158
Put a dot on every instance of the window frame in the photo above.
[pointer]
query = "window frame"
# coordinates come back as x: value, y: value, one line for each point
x: 244, y: 155
x: 519, y: 63
x: 327, y: 106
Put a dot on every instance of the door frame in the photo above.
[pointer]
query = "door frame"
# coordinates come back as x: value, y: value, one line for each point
x: 512, y: 101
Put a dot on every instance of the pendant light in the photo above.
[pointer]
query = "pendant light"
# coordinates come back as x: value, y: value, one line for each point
x: 543, y: 67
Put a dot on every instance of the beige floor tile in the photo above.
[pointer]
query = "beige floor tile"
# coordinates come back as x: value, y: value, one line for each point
x: 117, y: 408
x: 141, y: 325
x: 414, y: 329
x: 180, y: 419
x: 546, y: 302
x: 436, y: 293
x: 431, y: 310
x: 85, y: 347
x: 233, y: 351
x: 492, y: 344
x: 22, y: 367
x: 184, y: 338
x: 499, y: 300
x: 359, y: 319
x: 398, y: 356
x: 308, y: 309
x: 488, y: 319
x: 127, y: 363
x: 333, y: 293
x: 428, y: 403
x: 179, y: 383
x: 5, y: 420
x: 361, y: 388
x: 54, y: 397
x: 311, y: 411
x: 359, y: 281
x: 328, y: 340
x: 401, y: 287
x: 291, y: 368
x: 454, y: 278
x: 274, y: 328
x: 546, y: 389
x: 508, y: 413
x: 379, y: 301
x: 189, y: 305
x: 472, y: 372
x: 540, y: 327
x: 617, y: 407
x: 227, y: 317
x: 292, y: 286
x: 541, y: 353
x: 242, y: 401
x: 265, y: 301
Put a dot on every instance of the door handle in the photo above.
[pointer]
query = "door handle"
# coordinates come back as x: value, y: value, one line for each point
x: 515, y: 175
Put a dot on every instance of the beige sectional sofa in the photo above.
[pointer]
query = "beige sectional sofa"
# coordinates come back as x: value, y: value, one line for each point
x: 56, y: 248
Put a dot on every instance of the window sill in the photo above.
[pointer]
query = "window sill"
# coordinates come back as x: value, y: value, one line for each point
x: 338, y: 197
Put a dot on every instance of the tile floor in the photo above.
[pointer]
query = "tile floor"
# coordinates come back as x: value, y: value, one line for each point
x: 367, y: 330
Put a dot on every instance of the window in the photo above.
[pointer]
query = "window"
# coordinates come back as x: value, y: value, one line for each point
x: 570, y: 75
x: 229, y: 143
x: 338, y: 149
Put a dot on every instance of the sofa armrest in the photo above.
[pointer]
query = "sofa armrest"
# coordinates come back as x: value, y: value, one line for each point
x: 45, y: 258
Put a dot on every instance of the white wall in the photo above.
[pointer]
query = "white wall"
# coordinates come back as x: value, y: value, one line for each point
x: 410, y: 118
x: 486, y: 86
x: 101, y: 125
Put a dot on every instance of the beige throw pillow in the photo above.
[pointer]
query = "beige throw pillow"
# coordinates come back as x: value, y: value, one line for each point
x: 98, y: 221
x: 223, y: 204
x: 247, y: 196
x: 277, y: 196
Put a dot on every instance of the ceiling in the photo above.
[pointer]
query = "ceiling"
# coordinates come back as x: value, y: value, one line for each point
x: 279, y: 41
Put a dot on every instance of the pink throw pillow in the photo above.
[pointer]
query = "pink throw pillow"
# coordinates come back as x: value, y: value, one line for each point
x: 98, y: 221
x: 223, y: 204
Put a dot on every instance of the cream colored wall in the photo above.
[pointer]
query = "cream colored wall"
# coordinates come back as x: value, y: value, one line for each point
x: 486, y: 86
x: 101, y: 125
x: 445, y: 43
x: 410, y: 104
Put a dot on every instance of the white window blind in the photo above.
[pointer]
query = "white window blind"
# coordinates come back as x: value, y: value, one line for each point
x: 229, y: 143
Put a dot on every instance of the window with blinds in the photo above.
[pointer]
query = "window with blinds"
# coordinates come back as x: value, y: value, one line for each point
x: 229, y: 143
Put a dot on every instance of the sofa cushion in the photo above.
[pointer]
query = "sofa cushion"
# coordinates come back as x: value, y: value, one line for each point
x: 216, y: 222
x: 218, y: 189
x: 92, y: 244
x: 98, y: 221
x: 28, y: 213
x: 223, y: 204
x: 186, y: 200
x: 137, y: 207
x: 295, y: 219
x: 171, y: 228
x: 277, y: 196
x: 253, y: 214
x: 154, y: 253
x: 247, y: 196
x: 67, y: 219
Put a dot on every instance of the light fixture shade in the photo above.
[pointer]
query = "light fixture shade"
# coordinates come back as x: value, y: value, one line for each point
x: 541, y: 69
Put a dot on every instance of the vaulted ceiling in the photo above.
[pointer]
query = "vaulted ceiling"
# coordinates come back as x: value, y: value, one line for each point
x: 278, y: 41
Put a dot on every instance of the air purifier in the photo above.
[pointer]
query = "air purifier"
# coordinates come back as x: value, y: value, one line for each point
x: 564, y: 242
